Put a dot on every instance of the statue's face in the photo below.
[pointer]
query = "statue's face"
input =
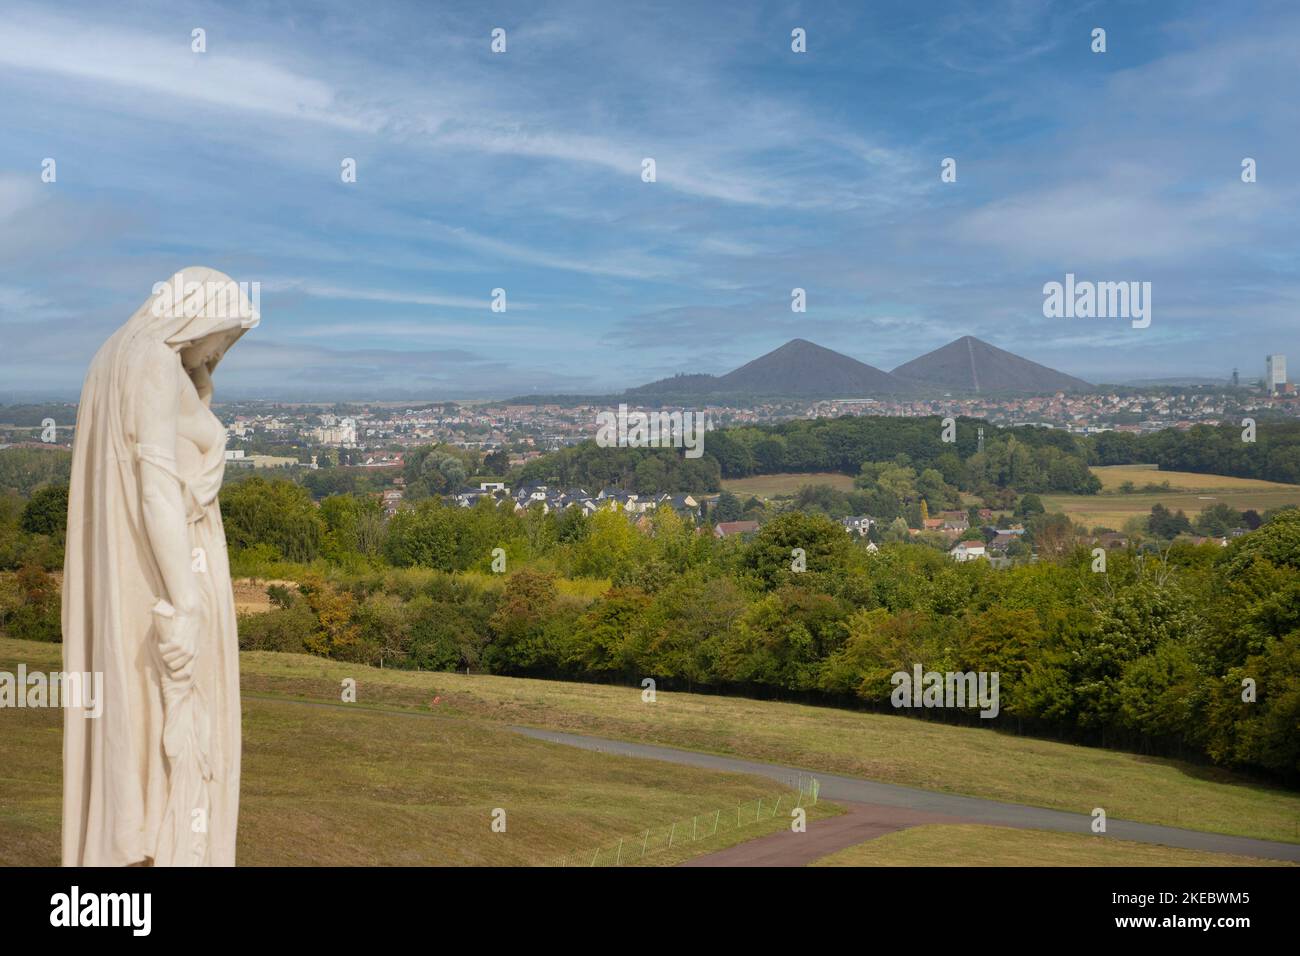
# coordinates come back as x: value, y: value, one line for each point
x: 203, y: 354
x: 199, y: 358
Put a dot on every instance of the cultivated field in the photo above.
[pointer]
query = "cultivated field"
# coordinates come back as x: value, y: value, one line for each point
x: 251, y: 596
x: 1112, y: 476
x: 975, y: 845
x: 776, y: 486
x: 1189, y: 491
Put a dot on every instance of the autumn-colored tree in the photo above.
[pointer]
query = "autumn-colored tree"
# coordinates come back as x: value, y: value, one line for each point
x: 337, y: 631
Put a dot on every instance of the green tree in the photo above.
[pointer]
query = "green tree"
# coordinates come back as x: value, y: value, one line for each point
x: 826, y: 547
x: 1029, y: 506
x: 422, y: 536
x: 1277, y: 542
x: 1218, y: 519
x: 728, y: 508
x: 519, y: 622
x: 1166, y: 526
x: 278, y: 513
x: 47, y: 512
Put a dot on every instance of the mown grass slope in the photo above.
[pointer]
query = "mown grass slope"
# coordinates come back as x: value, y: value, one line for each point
x: 891, y: 748
x: 343, y: 786
x: 975, y: 845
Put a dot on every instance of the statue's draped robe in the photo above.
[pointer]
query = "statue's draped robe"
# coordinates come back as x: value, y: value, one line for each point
x: 156, y: 776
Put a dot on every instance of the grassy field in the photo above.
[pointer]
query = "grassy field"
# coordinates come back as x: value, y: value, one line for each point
x: 341, y: 768
x: 775, y: 486
x: 974, y: 845
x: 887, y: 747
x: 327, y: 785
x: 1112, y: 476
x: 1188, y: 491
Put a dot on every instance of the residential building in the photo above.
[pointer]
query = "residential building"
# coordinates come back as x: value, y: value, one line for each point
x: 967, y: 551
x: 729, y: 529
x: 858, y: 524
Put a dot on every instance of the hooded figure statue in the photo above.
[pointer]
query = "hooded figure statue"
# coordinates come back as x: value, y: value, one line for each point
x: 147, y: 601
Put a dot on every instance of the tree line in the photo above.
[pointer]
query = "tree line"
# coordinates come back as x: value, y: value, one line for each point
x: 1194, y: 650
x: 1273, y: 455
x: 1027, y: 459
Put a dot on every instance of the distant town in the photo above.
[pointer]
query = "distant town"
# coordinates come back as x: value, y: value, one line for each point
x: 373, y: 435
x: 268, y: 435
x: 370, y: 434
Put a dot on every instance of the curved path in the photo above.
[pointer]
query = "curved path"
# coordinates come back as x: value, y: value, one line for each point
x: 892, y: 806
x: 859, y: 823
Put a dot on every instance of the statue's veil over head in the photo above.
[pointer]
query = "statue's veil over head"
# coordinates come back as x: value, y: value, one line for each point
x: 197, y: 304
x: 113, y: 768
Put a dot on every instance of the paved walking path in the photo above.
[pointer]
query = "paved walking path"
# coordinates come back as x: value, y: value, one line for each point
x: 887, y: 797
x: 859, y: 823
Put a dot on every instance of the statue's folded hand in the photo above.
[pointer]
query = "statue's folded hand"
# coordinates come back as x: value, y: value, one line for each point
x: 178, y: 642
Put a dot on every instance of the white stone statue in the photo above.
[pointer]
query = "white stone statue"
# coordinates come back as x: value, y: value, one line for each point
x: 147, y: 600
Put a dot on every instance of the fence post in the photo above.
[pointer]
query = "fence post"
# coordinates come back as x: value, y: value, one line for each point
x: 695, y: 820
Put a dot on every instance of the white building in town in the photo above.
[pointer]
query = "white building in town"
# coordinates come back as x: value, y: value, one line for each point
x: 1274, y: 373
x: 967, y: 550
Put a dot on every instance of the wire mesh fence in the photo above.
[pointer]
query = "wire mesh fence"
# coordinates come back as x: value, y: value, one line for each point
x: 710, y: 825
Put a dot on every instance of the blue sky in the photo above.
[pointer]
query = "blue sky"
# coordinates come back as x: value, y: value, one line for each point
x: 522, y: 171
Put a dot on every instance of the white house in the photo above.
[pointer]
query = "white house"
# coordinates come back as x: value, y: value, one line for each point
x: 967, y: 550
x: 857, y: 524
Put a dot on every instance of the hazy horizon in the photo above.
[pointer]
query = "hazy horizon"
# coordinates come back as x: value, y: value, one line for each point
x: 307, y: 395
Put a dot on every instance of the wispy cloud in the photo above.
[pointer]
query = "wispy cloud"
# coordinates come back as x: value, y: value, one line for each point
x: 523, y: 171
x: 324, y: 290
x: 165, y: 66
